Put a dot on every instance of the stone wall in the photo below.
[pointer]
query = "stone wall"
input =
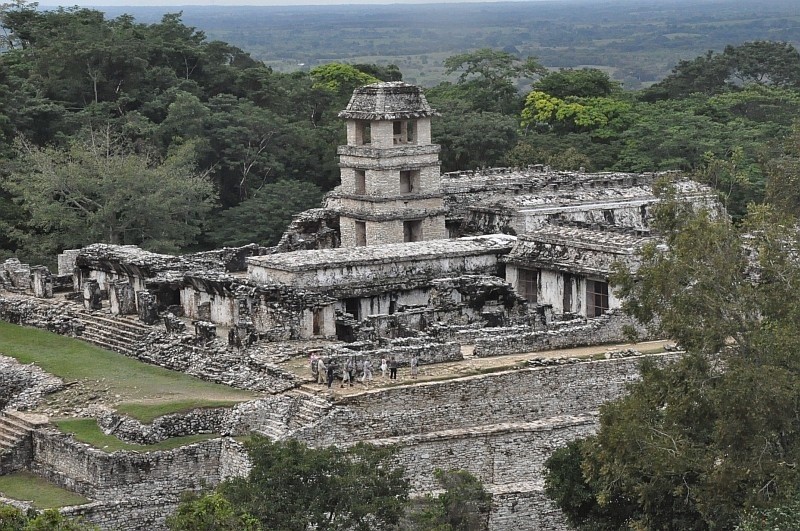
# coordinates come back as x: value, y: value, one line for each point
x: 152, y: 478
x: 497, y: 454
x: 524, y: 507
x: 608, y: 328
x: 196, y: 421
x: 525, y: 395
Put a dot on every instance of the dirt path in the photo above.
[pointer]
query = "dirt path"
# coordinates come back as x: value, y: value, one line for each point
x: 469, y: 366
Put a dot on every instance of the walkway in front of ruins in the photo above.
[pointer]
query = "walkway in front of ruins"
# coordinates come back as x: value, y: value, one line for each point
x: 469, y: 366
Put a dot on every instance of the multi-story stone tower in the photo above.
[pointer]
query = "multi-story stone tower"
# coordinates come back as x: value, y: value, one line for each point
x: 390, y: 190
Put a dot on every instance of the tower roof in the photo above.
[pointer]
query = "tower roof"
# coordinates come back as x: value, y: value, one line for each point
x: 391, y: 100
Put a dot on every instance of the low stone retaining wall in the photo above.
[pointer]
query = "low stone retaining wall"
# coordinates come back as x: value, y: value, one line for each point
x: 130, y: 515
x: 608, y: 328
x: 153, y: 478
x: 196, y: 421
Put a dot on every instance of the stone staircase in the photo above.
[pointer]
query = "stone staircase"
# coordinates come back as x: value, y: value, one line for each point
x: 15, y: 426
x: 120, y: 334
x: 291, y: 411
x: 309, y: 408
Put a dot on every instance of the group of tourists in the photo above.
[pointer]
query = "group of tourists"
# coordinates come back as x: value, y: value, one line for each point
x: 324, y: 370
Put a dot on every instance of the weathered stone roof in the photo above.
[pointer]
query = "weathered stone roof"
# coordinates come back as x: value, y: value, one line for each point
x: 134, y: 260
x: 397, y: 252
x: 392, y: 100
x: 599, y: 238
x: 584, y: 250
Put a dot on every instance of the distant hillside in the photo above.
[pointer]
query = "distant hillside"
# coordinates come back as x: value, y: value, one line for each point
x: 637, y: 42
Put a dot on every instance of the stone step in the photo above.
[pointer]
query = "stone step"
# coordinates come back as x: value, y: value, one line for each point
x: 27, y: 420
x: 8, y: 441
x: 12, y: 424
x: 15, y: 425
x: 11, y: 435
x: 126, y: 337
x: 107, y: 335
x: 121, y: 323
x: 273, y: 428
x: 115, y: 346
x: 114, y: 328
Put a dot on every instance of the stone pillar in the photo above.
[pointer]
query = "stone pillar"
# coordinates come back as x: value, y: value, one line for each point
x: 42, y: 282
x: 205, y: 331
x: 147, y: 307
x: 66, y: 261
x: 122, y: 297
x: 92, y: 299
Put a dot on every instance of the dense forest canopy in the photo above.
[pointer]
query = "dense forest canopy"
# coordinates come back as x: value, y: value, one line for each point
x: 139, y: 133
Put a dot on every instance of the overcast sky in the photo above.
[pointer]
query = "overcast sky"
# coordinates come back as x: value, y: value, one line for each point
x: 173, y: 3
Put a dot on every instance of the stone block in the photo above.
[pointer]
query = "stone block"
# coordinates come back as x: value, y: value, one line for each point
x: 92, y: 298
x: 42, y: 282
x: 122, y: 298
x: 147, y: 307
x: 66, y: 261
x: 205, y: 331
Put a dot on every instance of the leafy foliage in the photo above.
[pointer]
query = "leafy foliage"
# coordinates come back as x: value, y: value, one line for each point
x: 12, y: 519
x: 263, y: 218
x: 210, y: 512
x: 100, y: 191
x: 583, y: 83
x: 699, y: 441
x: 463, y: 505
x: 292, y: 486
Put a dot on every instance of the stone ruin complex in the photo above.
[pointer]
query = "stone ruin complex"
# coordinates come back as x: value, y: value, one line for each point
x: 399, y: 261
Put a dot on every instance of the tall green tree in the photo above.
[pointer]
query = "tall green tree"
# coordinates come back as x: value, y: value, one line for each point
x: 294, y: 487
x: 581, y: 83
x: 272, y: 206
x: 98, y: 190
x: 699, y: 441
x: 487, y: 78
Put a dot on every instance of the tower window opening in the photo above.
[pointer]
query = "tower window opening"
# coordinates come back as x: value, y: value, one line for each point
x: 403, y: 132
x: 363, y: 133
x: 361, y: 182
x: 409, y: 181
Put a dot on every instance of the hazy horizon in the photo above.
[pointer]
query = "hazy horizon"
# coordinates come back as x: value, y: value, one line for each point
x: 270, y: 3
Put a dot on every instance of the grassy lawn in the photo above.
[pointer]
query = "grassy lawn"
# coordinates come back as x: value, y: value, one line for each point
x: 130, y: 381
x: 87, y: 430
x: 27, y: 487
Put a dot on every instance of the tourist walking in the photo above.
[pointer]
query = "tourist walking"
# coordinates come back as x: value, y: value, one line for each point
x: 347, y: 373
x: 321, y: 372
x: 331, y: 372
x: 384, y: 366
x: 393, y: 369
x: 314, y: 359
x: 414, y: 366
x: 367, y: 376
